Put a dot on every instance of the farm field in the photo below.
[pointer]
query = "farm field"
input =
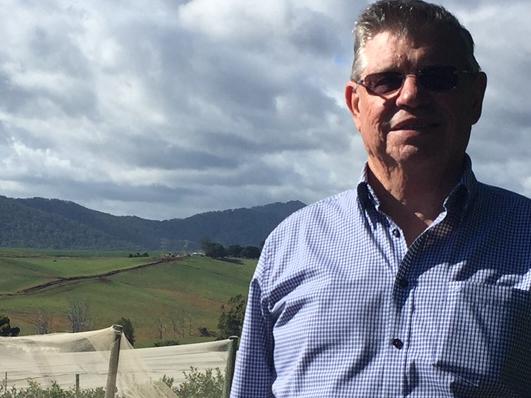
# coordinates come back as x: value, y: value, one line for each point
x: 24, y: 272
x: 168, y: 301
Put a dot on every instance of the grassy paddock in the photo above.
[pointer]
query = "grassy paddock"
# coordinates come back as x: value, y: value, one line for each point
x: 175, y: 297
x: 24, y: 272
x: 25, y: 252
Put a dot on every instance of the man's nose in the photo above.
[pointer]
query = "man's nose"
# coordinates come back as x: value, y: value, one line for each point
x: 411, y: 93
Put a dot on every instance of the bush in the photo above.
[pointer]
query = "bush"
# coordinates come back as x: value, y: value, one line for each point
x: 164, y: 343
x: 231, y: 319
x: 137, y: 254
x: 204, y: 332
x: 213, y: 249
x: 128, y: 329
x: 5, y: 327
x: 250, y: 252
x: 197, y: 384
x: 35, y: 390
x: 234, y: 250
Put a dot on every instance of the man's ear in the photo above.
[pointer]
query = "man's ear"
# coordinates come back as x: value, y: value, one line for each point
x: 352, y: 99
x: 480, y: 85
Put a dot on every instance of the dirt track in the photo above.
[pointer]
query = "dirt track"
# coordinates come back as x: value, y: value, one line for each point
x: 73, y: 279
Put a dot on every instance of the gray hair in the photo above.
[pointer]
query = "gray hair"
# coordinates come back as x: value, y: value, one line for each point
x: 406, y: 17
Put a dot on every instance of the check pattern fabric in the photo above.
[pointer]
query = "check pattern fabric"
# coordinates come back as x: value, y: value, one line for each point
x: 340, y: 306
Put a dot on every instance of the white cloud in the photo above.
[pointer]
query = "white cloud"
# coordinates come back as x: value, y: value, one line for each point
x: 196, y: 105
x: 235, y: 19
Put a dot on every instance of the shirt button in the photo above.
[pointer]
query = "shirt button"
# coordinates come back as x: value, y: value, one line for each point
x: 402, y: 282
x: 396, y: 233
x: 398, y: 343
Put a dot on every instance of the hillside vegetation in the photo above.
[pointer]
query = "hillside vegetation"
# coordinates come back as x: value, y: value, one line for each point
x: 167, y: 301
x: 57, y: 224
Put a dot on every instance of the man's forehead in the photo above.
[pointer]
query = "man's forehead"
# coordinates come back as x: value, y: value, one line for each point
x: 399, y: 47
x: 421, y: 34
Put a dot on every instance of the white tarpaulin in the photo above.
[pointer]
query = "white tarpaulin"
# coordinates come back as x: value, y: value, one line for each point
x: 59, y: 357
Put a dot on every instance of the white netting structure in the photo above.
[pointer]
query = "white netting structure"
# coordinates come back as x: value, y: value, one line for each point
x: 102, y: 359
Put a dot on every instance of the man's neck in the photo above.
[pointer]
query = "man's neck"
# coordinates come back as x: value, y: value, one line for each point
x: 412, y: 199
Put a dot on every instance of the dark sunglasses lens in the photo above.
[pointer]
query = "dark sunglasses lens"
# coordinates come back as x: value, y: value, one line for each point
x: 438, y: 79
x: 383, y: 83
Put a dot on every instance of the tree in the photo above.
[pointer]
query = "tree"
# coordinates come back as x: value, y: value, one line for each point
x: 160, y: 328
x: 43, y: 322
x: 78, y: 315
x: 5, y: 327
x: 234, y: 250
x: 250, y: 252
x: 231, y: 318
x: 127, y: 328
x: 213, y: 249
x: 179, y: 321
x: 177, y: 326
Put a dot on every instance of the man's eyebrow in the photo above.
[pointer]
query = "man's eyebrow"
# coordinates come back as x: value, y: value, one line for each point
x: 392, y: 69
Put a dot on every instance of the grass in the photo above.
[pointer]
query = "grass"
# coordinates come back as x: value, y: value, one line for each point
x: 176, y: 297
x: 28, y: 252
x: 24, y: 272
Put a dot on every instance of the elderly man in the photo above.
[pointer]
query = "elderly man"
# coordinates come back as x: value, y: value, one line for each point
x: 417, y: 282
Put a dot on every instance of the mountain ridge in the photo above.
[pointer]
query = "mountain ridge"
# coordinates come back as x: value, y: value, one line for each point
x: 60, y: 224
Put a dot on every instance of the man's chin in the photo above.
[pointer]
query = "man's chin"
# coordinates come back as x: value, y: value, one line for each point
x: 411, y: 160
x: 409, y: 154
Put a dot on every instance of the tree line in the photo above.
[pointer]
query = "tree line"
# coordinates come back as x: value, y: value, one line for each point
x: 217, y: 250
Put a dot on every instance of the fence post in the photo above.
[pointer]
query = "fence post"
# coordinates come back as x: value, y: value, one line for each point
x: 113, y: 362
x: 229, y: 370
x: 5, y: 382
x: 77, y: 385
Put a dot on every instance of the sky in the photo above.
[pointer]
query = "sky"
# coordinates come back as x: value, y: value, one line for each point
x: 168, y: 108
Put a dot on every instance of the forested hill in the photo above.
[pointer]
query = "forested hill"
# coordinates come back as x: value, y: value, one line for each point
x: 58, y: 224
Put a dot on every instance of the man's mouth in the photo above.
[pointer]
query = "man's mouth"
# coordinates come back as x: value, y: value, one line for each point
x: 413, y: 124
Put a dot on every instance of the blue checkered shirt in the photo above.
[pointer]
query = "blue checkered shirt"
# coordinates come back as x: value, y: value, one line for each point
x: 340, y: 306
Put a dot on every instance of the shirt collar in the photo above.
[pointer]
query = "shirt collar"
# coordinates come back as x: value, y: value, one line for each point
x: 366, y: 194
x: 459, y: 197
x: 465, y: 190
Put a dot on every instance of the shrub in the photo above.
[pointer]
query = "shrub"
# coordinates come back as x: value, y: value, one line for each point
x: 128, y: 329
x: 164, y: 343
x: 35, y: 390
x: 6, y: 329
x: 231, y: 319
x: 204, y: 332
x: 197, y: 384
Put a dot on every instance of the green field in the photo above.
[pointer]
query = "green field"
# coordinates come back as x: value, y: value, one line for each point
x: 173, y: 298
x: 24, y: 272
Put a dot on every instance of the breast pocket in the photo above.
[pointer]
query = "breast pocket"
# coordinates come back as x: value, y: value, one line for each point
x: 486, y: 338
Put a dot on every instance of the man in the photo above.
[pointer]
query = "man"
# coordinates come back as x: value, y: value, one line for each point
x: 417, y: 282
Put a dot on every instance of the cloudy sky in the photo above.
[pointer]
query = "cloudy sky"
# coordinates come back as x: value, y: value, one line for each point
x: 167, y: 108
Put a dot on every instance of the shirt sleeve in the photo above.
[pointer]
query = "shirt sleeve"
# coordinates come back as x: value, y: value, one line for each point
x: 254, y: 373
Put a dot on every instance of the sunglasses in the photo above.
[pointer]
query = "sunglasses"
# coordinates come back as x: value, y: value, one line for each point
x: 432, y: 78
